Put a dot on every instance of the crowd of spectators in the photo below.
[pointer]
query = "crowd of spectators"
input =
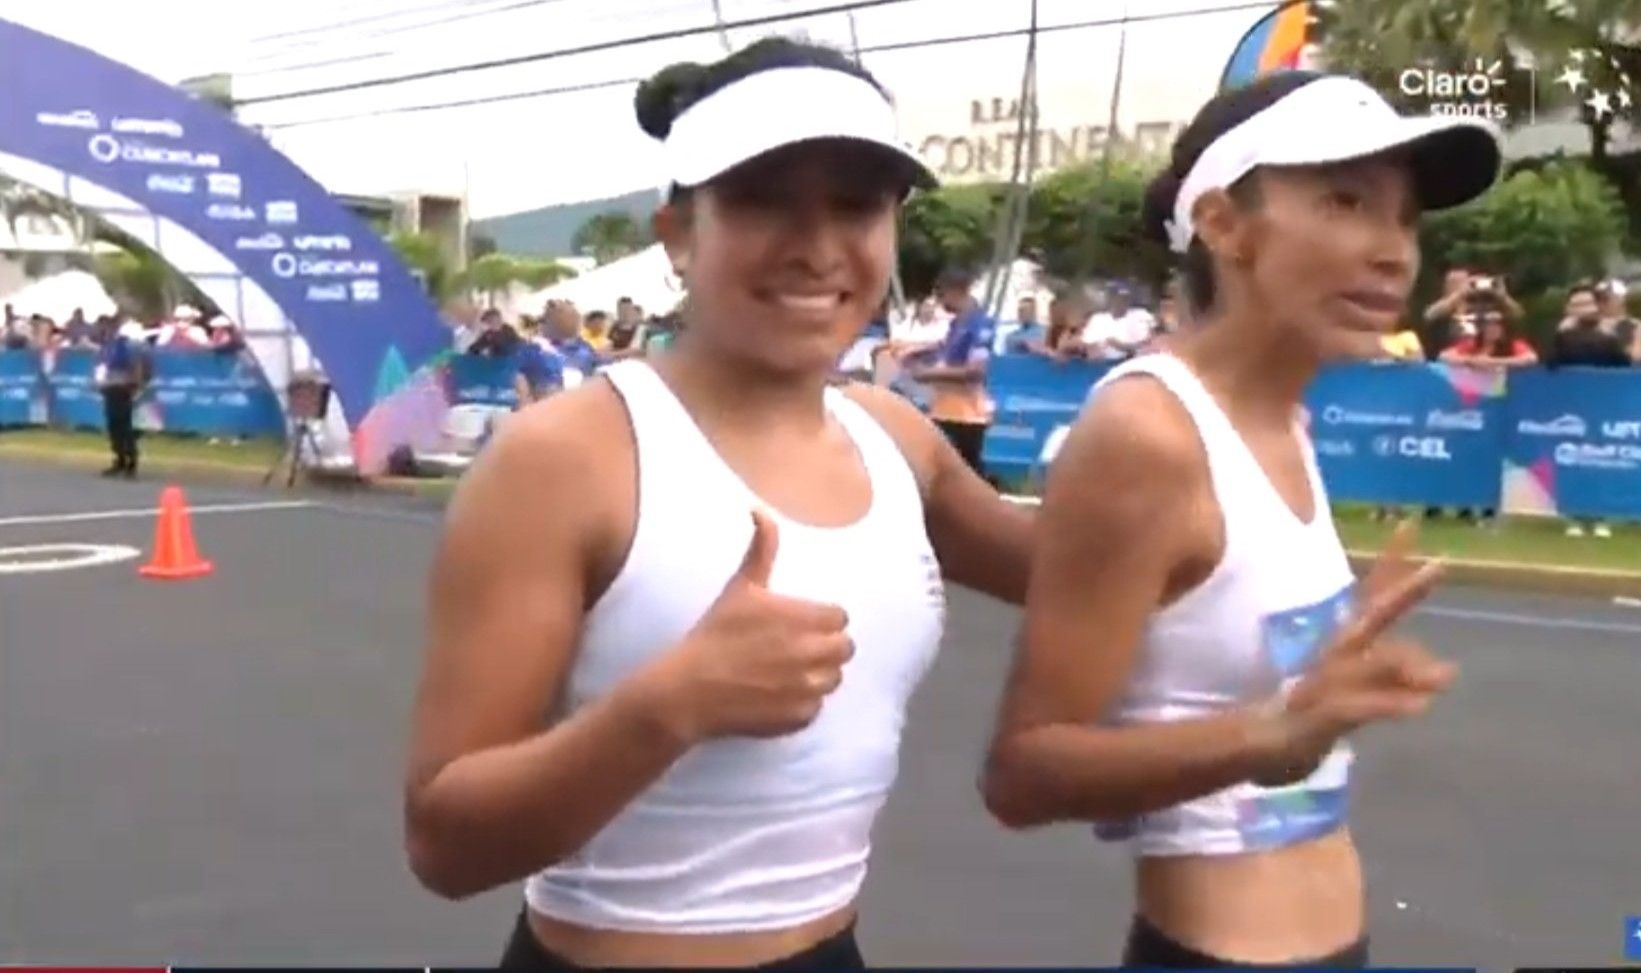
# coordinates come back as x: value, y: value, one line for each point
x: 185, y: 328
x: 562, y: 346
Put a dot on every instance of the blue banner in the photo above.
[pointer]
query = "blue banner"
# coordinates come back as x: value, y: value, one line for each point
x: 480, y: 380
x: 188, y: 162
x: 1431, y: 435
x: 75, y: 401
x: 1034, y: 395
x: 22, y: 389
x: 1575, y: 448
x: 212, y: 393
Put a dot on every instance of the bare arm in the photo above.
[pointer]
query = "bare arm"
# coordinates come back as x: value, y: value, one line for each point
x: 492, y: 795
x: 1443, y: 306
x: 1114, y: 537
x: 983, y: 542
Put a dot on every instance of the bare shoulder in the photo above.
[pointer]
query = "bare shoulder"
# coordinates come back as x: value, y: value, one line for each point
x: 911, y: 430
x: 566, y: 452
x: 1133, y: 451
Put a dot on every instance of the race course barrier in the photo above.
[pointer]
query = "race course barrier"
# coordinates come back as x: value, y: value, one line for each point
x: 1564, y: 442
x: 199, y: 392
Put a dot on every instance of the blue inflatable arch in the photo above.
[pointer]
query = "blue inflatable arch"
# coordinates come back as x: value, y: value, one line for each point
x: 303, y: 277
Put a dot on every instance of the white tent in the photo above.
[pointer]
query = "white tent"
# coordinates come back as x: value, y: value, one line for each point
x: 646, y: 277
x: 58, y: 296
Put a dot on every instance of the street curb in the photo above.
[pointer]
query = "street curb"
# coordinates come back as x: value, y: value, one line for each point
x: 224, y: 474
x: 1506, y: 575
x: 1537, y: 578
x: 1512, y: 576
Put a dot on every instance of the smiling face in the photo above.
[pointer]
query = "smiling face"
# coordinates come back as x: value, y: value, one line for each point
x: 787, y: 257
x: 1328, y: 253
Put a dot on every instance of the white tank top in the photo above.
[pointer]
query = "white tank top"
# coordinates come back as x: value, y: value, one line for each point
x: 1251, y: 628
x: 746, y: 834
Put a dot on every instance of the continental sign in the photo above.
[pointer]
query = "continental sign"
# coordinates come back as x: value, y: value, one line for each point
x: 985, y: 149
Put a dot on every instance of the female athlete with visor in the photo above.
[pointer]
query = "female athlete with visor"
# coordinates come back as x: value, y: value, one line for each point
x: 1193, y: 656
x: 678, y: 612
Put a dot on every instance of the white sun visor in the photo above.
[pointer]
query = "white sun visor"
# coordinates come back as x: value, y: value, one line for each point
x: 1337, y: 119
x: 779, y: 107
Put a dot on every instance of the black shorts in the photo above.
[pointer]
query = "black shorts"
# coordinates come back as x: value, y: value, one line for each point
x: 1149, y: 946
x: 839, y: 953
x: 969, y: 438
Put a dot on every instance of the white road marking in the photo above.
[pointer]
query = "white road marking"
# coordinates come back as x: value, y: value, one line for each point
x: 205, y: 508
x: 1540, y: 621
x: 80, y: 556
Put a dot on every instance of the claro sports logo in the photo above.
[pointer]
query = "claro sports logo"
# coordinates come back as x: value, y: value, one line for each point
x: 1478, y: 90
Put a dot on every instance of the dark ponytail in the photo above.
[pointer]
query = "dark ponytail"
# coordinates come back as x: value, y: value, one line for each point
x: 660, y: 100
x: 1223, y: 112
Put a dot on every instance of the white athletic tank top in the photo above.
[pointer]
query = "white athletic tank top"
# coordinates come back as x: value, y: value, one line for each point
x: 745, y: 834
x: 1252, y: 627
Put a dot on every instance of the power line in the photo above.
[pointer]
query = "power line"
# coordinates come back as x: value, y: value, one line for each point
x: 566, y: 52
x: 379, y: 16
x: 396, y: 29
x: 875, y: 49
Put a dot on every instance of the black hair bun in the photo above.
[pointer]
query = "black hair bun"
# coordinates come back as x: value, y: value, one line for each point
x: 1158, y: 209
x: 660, y: 100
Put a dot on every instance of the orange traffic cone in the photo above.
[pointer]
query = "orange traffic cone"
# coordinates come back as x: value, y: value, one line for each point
x: 175, y: 556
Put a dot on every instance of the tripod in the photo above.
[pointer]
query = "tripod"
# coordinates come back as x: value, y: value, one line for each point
x: 308, y: 398
x: 302, y: 435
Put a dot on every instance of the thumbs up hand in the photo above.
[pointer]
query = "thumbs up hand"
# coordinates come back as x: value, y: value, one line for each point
x: 1363, y: 675
x: 759, y: 664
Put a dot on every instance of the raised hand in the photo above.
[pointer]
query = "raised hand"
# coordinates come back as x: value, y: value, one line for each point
x: 1364, y: 675
x: 758, y: 663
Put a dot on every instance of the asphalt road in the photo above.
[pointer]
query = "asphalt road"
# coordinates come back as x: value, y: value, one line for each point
x: 208, y: 772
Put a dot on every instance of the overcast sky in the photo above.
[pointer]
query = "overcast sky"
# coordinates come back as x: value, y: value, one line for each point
x: 528, y: 152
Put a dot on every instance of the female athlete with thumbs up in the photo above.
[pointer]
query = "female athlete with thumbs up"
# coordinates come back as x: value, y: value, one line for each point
x: 678, y: 613
x: 1193, y: 657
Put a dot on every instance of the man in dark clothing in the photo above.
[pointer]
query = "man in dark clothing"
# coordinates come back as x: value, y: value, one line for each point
x: 122, y: 373
x: 1581, y: 340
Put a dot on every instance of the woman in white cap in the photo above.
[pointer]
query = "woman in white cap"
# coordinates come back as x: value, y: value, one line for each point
x: 678, y: 612
x: 1194, y: 657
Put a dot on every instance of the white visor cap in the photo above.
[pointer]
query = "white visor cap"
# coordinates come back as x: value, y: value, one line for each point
x: 1338, y: 119
x: 772, y: 109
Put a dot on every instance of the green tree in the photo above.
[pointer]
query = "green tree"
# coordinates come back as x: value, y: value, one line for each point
x: 422, y: 253
x: 139, y: 280
x: 493, y: 274
x: 480, y: 245
x: 1543, y: 229
x: 18, y: 200
x: 537, y: 274
x: 1086, y: 220
x: 609, y: 236
x: 1379, y: 39
x: 950, y: 226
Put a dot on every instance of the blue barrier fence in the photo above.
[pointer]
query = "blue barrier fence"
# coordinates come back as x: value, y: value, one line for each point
x: 1564, y: 442
x: 477, y: 380
x: 201, y: 392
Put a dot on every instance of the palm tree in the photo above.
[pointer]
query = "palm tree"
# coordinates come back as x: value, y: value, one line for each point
x: 609, y: 236
x: 425, y: 257
x: 139, y: 280
x: 18, y: 200
x: 492, y: 274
